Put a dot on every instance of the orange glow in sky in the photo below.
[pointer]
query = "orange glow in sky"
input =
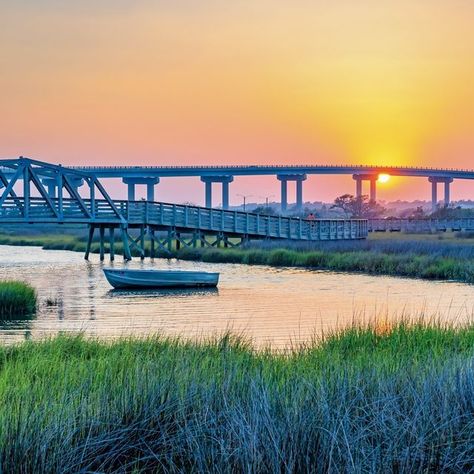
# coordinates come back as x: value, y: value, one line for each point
x: 266, y: 81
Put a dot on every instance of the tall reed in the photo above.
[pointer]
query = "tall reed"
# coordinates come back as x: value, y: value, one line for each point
x: 366, y: 400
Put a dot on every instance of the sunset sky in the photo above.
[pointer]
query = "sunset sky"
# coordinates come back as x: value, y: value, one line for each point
x: 233, y: 82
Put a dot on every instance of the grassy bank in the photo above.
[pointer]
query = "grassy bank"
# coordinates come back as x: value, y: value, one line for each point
x: 415, y: 256
x: 16, y: 299
x: 375, y: 263
x: 361, y: 401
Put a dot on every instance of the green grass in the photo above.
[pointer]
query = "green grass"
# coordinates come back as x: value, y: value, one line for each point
x: 375, y: 263
x: 17, y: 299
x: 365, y: 400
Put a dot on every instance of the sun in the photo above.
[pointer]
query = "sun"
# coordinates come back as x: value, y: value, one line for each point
x: 384, y: 178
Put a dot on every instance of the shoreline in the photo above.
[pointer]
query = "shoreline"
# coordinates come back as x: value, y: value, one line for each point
x: 407, y: 259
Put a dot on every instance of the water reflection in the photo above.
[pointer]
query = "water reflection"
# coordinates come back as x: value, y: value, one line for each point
x: 274, y: 306
x: 163, y: 293
x: 16, y: 324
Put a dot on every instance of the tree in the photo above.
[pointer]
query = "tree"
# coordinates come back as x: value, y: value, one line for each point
x: 358, y: 206
x: 451, y: 212
x: 267, y: 210
x: 418, y: 213
x: 350, y: 205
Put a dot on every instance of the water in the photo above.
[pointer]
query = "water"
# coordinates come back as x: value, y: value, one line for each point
x: 276, y: 306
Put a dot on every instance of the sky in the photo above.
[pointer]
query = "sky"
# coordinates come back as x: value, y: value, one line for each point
x: 385, y: 82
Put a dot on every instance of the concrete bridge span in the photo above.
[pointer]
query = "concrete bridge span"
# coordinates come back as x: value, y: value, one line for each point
x: 150, y: 176
x: 285, y: 173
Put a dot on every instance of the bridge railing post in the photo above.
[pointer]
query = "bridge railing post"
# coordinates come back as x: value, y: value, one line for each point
x: 160, y: 213
x: 59, y: 178
x: 92, y: 198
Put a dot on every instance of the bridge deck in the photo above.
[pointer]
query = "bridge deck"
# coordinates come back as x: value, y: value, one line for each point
x: 420, y: 225
x: 183, y: 218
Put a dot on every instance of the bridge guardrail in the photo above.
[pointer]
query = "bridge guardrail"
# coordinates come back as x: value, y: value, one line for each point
x: 420, y: 225
x: 186, y: 218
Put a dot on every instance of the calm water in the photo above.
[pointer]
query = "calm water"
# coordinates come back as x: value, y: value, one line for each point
x: 272, y: 306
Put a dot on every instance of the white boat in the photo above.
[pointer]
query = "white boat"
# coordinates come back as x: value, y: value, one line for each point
x: 129, y: 278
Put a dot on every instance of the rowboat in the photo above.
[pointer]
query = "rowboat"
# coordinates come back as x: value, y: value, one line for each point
x: 128, y: 278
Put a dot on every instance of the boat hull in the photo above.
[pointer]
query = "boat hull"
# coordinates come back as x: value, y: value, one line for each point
x: 125, y: 278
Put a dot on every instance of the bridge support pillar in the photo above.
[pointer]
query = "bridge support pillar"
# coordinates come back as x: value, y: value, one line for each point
x: 76, y: 183
x: 372, y: 178
x: 358, y: 188
x: 373, y: 190
x: 447, y: 196
x: 51, y: 185
x: 225, y: 181
x: 131, y: 192
x: 284, y: 178
x: 284, y: 195
x: 434, y: 195
x: 434, y: 191
x: 208, y: 191
x: 150, y: 184
x: 299, y: 194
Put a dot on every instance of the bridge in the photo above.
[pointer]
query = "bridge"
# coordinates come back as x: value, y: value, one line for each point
x: 421, y: 225
x: 224, y: 175
x: 150, y: 176
x: 26, y: 197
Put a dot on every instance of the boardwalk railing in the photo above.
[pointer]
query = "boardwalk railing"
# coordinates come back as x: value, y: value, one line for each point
x: 182, y: 217
x: 420, y: 225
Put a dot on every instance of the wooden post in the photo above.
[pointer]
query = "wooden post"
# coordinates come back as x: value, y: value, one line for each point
x: 152, y: 242
x: 142, y: 242
x: 101, y: 242
x: 26, y: 192
x: 89, y: 241
x: 60, y: 195
x: 178, y: 242
x: 92, y: 195
x: 112, y: 242
x: 126, y: 247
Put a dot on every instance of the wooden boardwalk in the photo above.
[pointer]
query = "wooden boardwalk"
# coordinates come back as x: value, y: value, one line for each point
x: 24, y: 199
x: 420, y: 225
x: 188, y: 225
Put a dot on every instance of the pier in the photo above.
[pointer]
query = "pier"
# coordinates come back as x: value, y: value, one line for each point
x: 35, y: 192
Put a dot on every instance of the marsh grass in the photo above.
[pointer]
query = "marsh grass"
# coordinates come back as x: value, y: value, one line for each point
x: 368, y: 399
x: 17, y: 299
x: 408, y: 256
x: 51, y: 301
x: 410, y: 264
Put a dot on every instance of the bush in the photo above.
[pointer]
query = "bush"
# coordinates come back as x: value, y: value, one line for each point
x: 16, y: 299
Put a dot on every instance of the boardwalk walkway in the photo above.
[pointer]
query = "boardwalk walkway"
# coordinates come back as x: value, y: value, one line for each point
x: 162, y: 223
